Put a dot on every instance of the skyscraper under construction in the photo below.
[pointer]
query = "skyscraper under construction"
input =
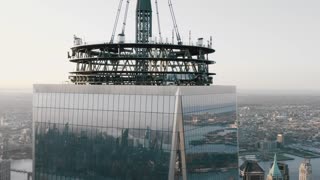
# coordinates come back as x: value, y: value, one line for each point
x: 149, y: 60
x: 137, y: 110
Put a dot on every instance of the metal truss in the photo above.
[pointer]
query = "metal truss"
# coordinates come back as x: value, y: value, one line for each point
x: 141, y: 64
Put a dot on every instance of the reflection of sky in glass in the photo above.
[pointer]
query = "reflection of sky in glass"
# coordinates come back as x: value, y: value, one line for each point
x: 109, y: 110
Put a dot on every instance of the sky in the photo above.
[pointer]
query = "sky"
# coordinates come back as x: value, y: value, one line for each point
x: 260, y: 44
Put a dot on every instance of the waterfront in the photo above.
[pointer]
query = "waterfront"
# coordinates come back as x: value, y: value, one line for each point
x: 294, y: 167
x: 301, y: 114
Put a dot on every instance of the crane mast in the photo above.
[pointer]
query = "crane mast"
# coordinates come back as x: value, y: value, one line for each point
x: 175, y: 25
x: 143, y: 21
x: 116, y: 21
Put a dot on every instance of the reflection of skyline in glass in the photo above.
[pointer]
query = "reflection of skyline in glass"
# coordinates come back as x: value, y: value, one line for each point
x: 211, y: 136
x: 132, y: 132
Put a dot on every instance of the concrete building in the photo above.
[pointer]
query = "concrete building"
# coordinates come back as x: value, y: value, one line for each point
x: 305, y: 170
x: 5, y: 167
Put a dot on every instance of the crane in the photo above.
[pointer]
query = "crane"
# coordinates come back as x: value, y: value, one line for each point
x: 158, y: 17
x: 125, y: 18
x: 116, y: 21
x: 175, y: 25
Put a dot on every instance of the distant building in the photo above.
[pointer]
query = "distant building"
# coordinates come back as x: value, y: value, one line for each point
x: 284, y: 169
x: 1, y: 121
x: 280, y: 139
x: 250, y: 170
x: 5, y: 154
x: 305, y: 170
x: 267, y: 145
x: 275, y: 173
x: 5, y: 170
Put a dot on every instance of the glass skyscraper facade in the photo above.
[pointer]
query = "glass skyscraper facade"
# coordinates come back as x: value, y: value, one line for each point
x: 88, y: 132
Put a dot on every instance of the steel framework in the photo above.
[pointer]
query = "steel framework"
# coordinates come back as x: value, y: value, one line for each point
x: 144, y: 62
x: 143, y: 21
x: 141, y: 64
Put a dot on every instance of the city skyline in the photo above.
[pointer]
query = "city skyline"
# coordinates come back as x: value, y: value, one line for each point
x: 146, y: 102
x: 265, y: 45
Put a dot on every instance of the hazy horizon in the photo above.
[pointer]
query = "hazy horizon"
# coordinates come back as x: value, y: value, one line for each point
x: 241, y: 92
x: 267, y: 45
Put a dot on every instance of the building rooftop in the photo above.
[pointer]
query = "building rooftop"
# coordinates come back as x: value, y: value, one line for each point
x: 251, y: 166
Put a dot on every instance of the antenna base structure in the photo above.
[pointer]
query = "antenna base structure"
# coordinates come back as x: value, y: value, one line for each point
x: 145, y: 61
